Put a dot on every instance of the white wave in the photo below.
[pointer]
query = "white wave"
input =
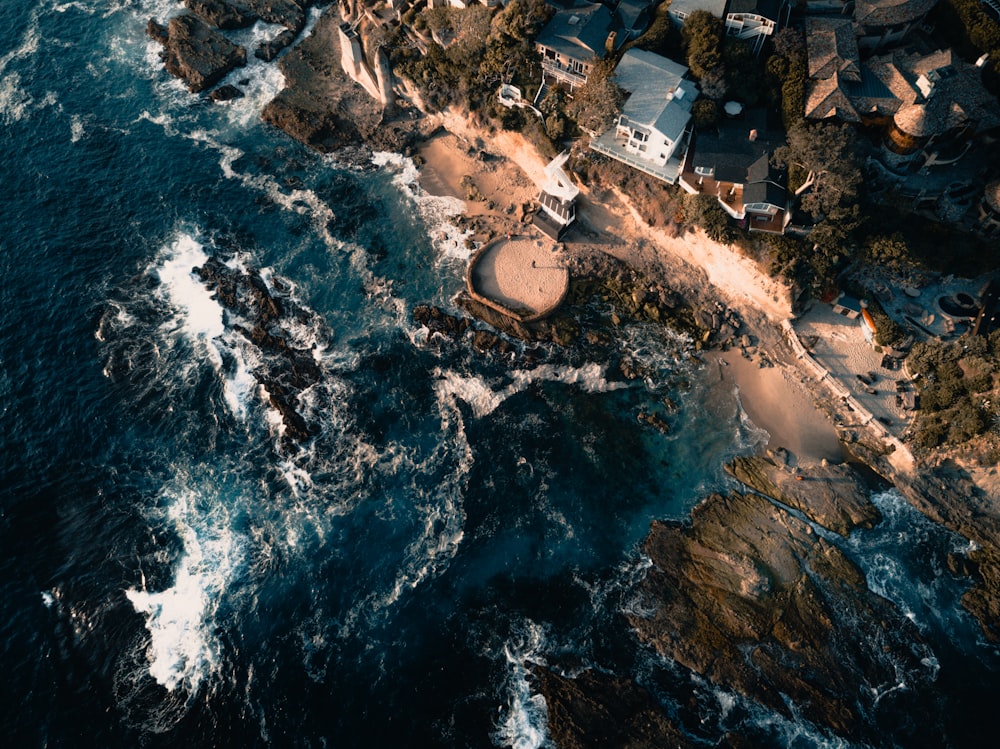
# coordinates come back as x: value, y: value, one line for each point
x: 474, y: 391
x: 82, y: 7
x: 48, y: 600
x: 183, y: 650
x: 443, y: 514
x: 76, y: 128
x: 201, y: 313
x: 523, y: 722
x: 748, y: 434
x: 200, y: 319
x: 14, y: 100
x: 29, y: 43
x: 437, y: 212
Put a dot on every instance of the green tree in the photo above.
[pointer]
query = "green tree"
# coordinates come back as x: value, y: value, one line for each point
x: 598, y: 102
x: 705, y: 113
x: 887, y: 251
x: 705, y: 211
x: 702, y: 35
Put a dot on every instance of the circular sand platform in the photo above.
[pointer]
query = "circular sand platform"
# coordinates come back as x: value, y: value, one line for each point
x: 523, y: 275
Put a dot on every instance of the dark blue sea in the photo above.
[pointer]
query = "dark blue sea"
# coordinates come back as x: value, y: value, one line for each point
x: 173, y: 574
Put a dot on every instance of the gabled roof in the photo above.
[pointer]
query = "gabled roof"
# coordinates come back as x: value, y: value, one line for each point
x: 659, y: 95
x: 765, y: 192
x: 581, y: 32
x: 890, y: 12
x: 635, y: 14
x: 827, y: 98
x: 766, y: 8
x: 832, y: 48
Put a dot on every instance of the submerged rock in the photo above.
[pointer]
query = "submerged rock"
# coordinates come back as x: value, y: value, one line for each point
x: 601, y: 711
x: 268, y: 50
x: 196, y: 53
x: 226, y: 93
x: 751, y: 598
x: 264, y: 319
x: 834, y: 496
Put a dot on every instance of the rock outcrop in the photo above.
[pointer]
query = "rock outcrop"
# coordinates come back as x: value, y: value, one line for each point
x: 751, y: 598
x: 601, y: 711
x: 834, y: 496
x: 264, y: 319
x: 949, y: 497
x: 197, y: 54
x: 323, y: 108
x: 223, y: 14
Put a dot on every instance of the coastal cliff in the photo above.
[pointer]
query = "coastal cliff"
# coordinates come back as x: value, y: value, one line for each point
x: 748, y: 595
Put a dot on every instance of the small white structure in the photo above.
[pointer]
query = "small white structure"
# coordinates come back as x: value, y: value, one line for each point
x: 752, y: 20
x: 557, y: 199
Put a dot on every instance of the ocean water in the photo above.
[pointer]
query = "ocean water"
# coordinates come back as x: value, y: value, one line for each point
x: 172, y: 574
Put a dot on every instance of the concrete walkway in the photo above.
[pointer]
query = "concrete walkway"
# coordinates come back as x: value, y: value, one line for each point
x: 522, y: 274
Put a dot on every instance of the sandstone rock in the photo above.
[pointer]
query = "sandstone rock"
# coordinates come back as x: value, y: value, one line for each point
x: 323, y: 108
x: 750, y: 598
x: 601, y: 711
x: 289, y: 13
x: 834, y: 496
x: 195, y: 53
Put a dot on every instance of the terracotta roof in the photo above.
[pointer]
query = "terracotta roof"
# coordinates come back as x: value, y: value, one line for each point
x: 890, y: 12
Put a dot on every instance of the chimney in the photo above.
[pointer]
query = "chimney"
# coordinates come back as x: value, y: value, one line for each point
x: 753, y: 135
x: 611, y: 42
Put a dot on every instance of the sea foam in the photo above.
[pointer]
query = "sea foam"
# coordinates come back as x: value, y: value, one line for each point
x: 183, y: 650
x: 523, y: 722
x: 437, y: 212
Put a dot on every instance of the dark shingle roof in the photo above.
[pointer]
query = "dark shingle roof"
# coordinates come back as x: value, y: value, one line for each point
x: 730, y: 152
x: 890, y: 12
x: 764, y: 192
x: 581, y: 32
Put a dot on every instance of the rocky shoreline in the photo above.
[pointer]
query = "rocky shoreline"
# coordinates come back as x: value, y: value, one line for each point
x: 748, y: 595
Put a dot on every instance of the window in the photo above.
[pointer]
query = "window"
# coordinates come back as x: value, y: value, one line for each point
x: 704, y: 171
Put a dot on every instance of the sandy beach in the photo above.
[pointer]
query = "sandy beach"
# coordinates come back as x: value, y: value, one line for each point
x: 774, y: 397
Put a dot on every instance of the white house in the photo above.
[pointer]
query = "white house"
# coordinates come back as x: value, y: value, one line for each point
x: 653, y: 126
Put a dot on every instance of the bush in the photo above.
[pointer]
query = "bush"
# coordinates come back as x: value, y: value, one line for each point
x: 705, y: 211
x: 705, y: 113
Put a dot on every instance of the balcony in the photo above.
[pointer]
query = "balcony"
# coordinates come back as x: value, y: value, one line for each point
x: 563, y: 73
